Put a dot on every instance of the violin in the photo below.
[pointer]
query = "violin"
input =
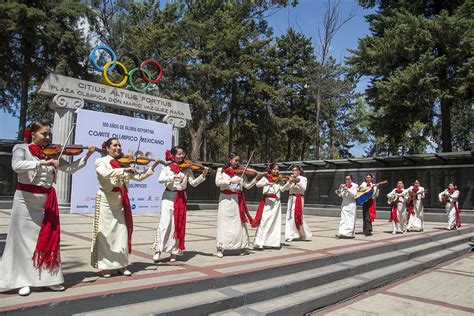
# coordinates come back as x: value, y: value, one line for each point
x: 126, y: 160
x: 280, y: 179
x: 189, y: 164
x: 53, y: 150
x: 248, y: 172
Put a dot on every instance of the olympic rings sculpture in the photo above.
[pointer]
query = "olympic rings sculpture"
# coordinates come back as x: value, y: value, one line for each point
x: 127, y: 75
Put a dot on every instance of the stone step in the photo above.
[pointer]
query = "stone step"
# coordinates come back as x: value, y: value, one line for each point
x: 310, y: 299
x: 271, y: 288
x: 313, y: 267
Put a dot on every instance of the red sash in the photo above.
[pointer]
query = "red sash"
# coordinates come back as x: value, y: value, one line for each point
x: 261, y: 205
x: 298, y: 210
x: 127, y: 210
x: 458, y: 218
x: 47, y: 246
x: 179, y: 213
x: 243, y: 210
x: 393, y: 213
x: 371, y: 204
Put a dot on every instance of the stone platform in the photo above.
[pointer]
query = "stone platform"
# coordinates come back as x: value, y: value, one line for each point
x: 207, y: 284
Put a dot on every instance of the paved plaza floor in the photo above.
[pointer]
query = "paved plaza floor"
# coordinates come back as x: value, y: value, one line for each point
x: 199, y: 262
x: 447, y: 289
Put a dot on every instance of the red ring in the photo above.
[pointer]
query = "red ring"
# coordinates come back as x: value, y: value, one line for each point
x: 158, y: 66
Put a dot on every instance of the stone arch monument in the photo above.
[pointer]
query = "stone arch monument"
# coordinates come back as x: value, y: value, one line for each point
x: 69, y: 94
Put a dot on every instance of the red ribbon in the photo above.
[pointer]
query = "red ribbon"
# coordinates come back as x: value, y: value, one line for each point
x: 175, y: 168
x: 47, y: 246
x: 180, y: 209
x: 298, y: 210
x: 228, y: 171
x: 36, y: 151
x: 243, y: 210
x: 411, y: 205
x: 168, y: 156
x: 458, y: 218
x: 127, y: 210
x: 261, y: 205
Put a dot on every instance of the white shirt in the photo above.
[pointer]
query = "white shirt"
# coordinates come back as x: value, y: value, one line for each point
x: 296, y: 188
x: 167, y: 177
x: 109, y: 178
x: 223, y: 181
x: 30, y: 171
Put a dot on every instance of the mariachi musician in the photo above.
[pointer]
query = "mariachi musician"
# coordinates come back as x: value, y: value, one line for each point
x: 232, y: 211
x: 170, y: 234
x: 368, y: 208
x: 296, y: 227
x: 347, y: 191
x: 31, y: 257
x: 449, y: 199
x: 113, y: 221
x: 415, y: 207
x: 397, y: 199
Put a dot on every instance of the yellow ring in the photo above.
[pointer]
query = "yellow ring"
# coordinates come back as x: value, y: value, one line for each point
x: 106, y: 78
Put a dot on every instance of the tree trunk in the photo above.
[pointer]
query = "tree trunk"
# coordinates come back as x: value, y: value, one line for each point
x: 446, y: 136
x: 303, y: 148
x: 288, y: 151
x: 317, y: 144
x: 232, y: 106
x: 197, y: 139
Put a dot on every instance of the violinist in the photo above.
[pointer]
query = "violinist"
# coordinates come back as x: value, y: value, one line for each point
x: 232, y: 212
x: 113, y: 222
x: 296, y: 227
x: 415, y: 207
x: 31, y: 257
x: 449, y: 198
x: 347, y: 192
x: 397, y: 199
x: 170, y: 234
x: 268, y: 217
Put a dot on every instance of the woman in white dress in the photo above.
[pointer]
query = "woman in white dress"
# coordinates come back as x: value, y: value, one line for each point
x: 31, y: 257
x: 397, y: 199
x: 296, y: 227
x: 113, y: 221
x: 170, y: 234
x: 416, y: 195
x: 449, y: 198
x: 232, y: 212
x: 268, y: 217
x: 347, y: 191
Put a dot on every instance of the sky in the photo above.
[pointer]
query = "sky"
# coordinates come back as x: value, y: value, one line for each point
x: 305, y: 18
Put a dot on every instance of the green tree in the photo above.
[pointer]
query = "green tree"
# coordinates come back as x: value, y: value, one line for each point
x: 420, y: 61
x: 38, y: 37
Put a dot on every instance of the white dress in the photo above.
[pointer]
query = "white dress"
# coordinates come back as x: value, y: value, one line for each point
x: 164, y: 241
x: 269, y: 231
x: 450, y: 207
x: 401, y: 199
x: 348, y: 211
x: 291, y: 232
x: 109, y: 249
x: 232, y: 234
x: 16, y: 268
x: 415, y: 222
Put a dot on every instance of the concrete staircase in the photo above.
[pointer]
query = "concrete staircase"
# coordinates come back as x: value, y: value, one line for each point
x: 292, y: 289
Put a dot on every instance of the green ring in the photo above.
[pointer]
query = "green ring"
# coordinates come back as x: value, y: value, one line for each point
x: 130, y: 80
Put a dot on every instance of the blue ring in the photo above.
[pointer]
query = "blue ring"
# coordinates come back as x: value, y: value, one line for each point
x: 109, y: 51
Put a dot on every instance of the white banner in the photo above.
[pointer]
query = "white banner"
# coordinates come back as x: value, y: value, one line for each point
x: 93, y: 128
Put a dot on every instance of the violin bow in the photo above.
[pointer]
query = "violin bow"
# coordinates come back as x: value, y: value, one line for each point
x: 247, y: 165
x: 67, y: 140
